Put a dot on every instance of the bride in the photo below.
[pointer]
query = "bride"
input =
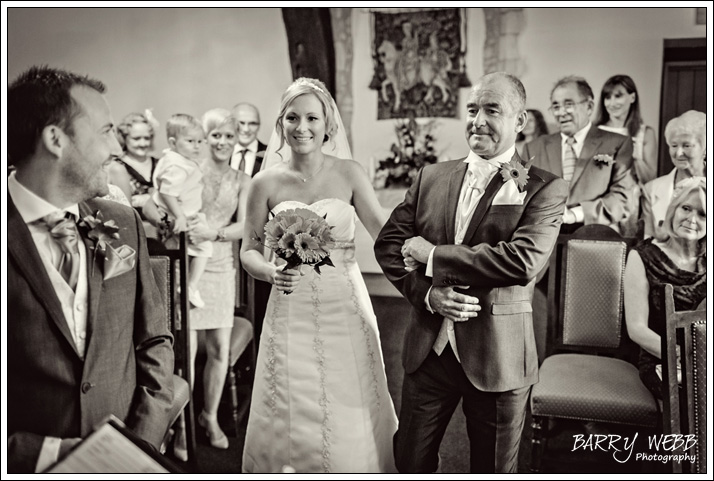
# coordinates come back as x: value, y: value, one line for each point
x: 320, y: 400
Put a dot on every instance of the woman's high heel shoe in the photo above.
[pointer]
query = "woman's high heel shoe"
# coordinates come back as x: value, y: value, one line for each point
x: 217, y: 437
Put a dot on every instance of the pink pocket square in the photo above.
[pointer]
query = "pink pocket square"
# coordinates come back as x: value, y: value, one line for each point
x: 118, y: 261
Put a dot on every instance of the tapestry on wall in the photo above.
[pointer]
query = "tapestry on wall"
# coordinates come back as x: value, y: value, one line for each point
x: 418, y: 62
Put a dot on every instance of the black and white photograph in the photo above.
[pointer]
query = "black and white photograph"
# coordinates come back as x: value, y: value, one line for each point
x: 357, y: 240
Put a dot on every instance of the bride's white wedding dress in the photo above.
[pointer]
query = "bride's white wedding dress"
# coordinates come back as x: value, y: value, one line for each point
x: 320, y: 400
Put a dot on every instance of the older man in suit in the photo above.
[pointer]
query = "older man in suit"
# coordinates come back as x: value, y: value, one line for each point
x: 248, y: 152
x: 596, y: 163
x: 85, y: 333
x: 464, y: 248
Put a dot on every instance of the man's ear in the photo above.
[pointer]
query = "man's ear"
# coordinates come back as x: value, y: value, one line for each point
x: 172, y: 143
x: 54, y: 140
x: 521, y: 121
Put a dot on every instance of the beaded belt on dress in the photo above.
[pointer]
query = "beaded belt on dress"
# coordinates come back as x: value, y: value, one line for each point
x: 343, y: 245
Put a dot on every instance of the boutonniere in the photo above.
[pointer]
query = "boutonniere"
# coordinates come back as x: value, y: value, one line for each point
x: 604, y: 159
x: 515, y: 171
x: 116, y: 261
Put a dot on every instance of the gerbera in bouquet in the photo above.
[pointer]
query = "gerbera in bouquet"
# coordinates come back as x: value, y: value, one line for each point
x: 300, y: 236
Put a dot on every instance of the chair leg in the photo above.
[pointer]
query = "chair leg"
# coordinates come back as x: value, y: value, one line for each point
x: 234, y: 397
x: 538, y: 441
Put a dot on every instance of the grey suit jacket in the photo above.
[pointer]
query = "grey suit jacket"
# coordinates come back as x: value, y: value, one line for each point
x: 504, y: 248
x: 128, y: 365
x: 603, y: 191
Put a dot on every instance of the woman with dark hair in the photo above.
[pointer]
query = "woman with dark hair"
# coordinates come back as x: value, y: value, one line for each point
x: 619, y: 111
x: 535, y: 127
x: 676, y: 256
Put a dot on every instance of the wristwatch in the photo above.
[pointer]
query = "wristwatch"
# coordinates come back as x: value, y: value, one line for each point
x: 221, y: 235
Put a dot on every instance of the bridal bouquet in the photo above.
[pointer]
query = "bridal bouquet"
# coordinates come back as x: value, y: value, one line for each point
x: 299, y: 236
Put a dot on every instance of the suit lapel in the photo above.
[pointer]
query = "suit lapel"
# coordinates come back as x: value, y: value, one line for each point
x: 259, y: 157
x: 22, y: 248
x: 484, y: 204
x: 590, y: 146
x: 554, y: 154
x: 452, y: 200
x: 95, y: 272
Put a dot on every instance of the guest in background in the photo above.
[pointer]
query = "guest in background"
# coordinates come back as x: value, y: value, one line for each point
x: 686, y: 137
x: 678, y: 257
x: 249, y: 151
x: 84, y: 340
x: 133, y: 170
x: 177, y: 192
x: 596, y: 163
x: 619, y: 112
x: 535, y: 127
x: 224, y: 198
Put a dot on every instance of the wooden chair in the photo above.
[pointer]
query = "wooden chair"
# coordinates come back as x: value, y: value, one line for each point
x: 587, y: 373
x: 170, y: 268
x: 686, y: 329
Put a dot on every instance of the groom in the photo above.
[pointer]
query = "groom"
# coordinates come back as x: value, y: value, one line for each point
x: 464, y: 249
x: 86, y: 336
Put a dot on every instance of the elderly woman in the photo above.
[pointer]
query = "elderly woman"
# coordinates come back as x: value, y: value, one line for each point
x: 678, y: 257
x: 132, y: 172
x: 687, y: 140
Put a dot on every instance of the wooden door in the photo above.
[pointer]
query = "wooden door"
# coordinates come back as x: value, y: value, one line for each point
x: 684, y: 87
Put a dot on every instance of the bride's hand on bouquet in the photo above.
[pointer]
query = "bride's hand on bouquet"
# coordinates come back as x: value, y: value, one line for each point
x: 286, y: 281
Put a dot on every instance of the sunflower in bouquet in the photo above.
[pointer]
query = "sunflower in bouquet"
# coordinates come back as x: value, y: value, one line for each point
x: 300, y: 237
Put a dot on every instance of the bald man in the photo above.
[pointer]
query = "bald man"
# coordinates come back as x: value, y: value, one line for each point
x: 248, y: 149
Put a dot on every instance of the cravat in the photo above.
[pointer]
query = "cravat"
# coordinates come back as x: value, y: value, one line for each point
x: 569, y: 159
x: 477, y: 176
x: 63, y: 229
x: 241, y: 165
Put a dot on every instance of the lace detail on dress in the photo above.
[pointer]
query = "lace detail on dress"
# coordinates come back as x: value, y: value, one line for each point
x: 272, y: 392
x: 364, y: 327
x: 318, y: 347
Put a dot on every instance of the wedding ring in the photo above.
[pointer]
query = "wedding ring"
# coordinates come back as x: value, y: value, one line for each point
x: 463, y: 307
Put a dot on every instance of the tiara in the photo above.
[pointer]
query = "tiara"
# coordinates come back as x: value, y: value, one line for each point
x: 304, y: 81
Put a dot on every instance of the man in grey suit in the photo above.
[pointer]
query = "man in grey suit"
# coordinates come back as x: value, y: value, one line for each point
x: 596, y: 163
x: 86, y: 335
x: 464, y: 248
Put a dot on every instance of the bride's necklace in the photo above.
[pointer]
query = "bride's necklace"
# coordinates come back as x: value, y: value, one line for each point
x: 305, y: 179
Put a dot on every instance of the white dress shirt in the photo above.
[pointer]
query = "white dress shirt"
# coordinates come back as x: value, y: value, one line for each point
x: 31, y: 208
x: 249, y: 157
x: 577, y: 147
x: 479, y: 174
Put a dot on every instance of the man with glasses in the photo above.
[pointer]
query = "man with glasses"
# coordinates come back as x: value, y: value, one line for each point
x: 598, y: 190
x: 596, y: 163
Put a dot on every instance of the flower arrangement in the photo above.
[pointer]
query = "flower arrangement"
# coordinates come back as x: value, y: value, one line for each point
x: 413, y: 150
x: 299, y: 236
